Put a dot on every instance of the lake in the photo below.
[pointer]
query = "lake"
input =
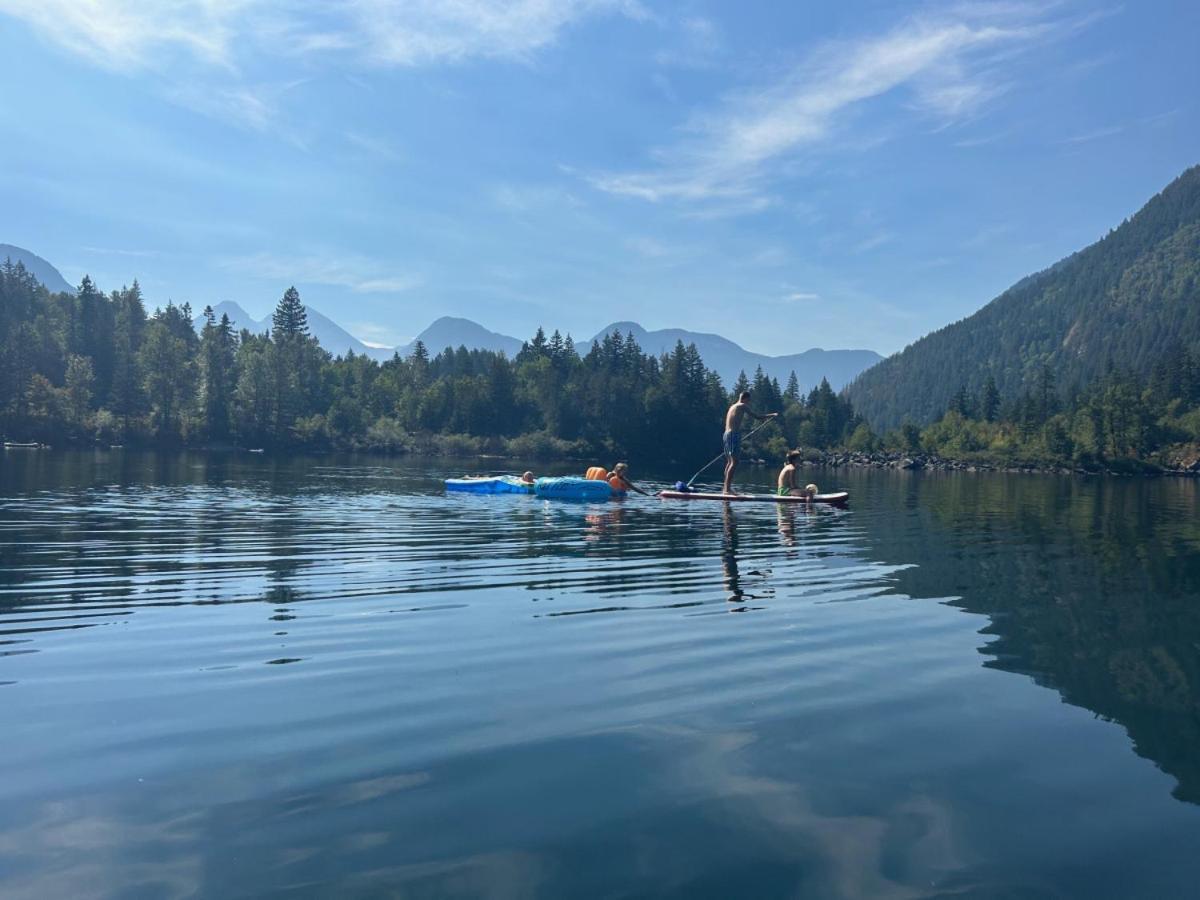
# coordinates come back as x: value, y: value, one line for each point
x: 240, y: 676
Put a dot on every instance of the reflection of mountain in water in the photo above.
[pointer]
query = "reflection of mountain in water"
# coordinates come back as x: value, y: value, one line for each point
x: 1092, y: 588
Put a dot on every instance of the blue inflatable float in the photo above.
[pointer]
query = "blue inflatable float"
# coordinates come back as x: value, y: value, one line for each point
x: 571, y: 488
x: 499, y: 484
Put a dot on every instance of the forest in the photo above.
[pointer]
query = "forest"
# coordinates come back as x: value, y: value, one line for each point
x: 1119, y: 304
x: 95, y: 369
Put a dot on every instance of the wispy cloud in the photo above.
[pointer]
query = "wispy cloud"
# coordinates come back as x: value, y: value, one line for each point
x: 426, y: 31
x: 116, y: 251
x: 982, y: 140
x: 129, y: 34
x: 373, y: 334
x: 801, y: 297
x: 132, y: 34
x: 697, y: 42
x: 1097, y: 134
x: 239, y: 105
x: 947, y: 64
x: 359, y: 274
x: 874, y: 241
x: 199, y: 50
x: 373, y: 146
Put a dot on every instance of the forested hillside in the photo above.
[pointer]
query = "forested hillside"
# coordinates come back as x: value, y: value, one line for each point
x: 1119, y: 305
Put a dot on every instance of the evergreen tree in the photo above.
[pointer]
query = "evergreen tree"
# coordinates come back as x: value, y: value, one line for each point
x: 218, y: 378
x: 127, y: 399
x: 168, y: 363
x: 990, y: 405
x: 792, y: 393
x: 290, y: 319
x: 80, y: 381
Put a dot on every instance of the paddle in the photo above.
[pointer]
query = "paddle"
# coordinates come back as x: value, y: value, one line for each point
x: 720, y: 456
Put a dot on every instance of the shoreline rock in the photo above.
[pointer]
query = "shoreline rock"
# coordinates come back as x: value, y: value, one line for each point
x: 932, y: 462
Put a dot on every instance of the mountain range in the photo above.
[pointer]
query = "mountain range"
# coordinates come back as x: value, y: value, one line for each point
x: 1121, y: 302
x: 729, y: 359
x: 719, y: 353
x: 722, y: 354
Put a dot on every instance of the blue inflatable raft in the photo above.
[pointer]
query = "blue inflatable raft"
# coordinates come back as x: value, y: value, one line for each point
x: 571, y: 488
x: 499, y: 484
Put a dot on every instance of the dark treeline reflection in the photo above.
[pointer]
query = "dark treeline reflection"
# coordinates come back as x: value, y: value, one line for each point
x: 1091, y: 586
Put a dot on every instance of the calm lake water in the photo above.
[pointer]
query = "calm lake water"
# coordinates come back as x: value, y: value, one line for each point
x: 236, y: 676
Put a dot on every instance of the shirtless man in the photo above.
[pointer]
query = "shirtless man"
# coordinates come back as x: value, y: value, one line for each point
x: 733, y: 434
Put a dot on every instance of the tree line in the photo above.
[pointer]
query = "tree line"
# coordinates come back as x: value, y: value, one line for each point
x: 91, y: 368
x: 1119, y: 420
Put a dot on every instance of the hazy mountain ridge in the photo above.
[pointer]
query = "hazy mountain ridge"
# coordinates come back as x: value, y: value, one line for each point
x: 451, y: 331
x: 719, y: 353
x: 729, y: 358
x: 39, y: 268
x: 1122, y: 301
x: 328, y: 333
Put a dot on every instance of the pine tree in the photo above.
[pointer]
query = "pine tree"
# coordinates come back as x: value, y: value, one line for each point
x: 741, y: 385
x: 218, y: 354
x: 127, y: 399
x: 792, y: 393
x: 991, y: 400
x: 79, y: 384
x: 290, y: 318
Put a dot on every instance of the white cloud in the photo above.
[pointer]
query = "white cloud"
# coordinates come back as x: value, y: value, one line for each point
x: 948, y: 64
x: 125, y: 34
x: 132, y: 34
x: 357, y: 273
x: 801, y: 297
x: 425, y: 31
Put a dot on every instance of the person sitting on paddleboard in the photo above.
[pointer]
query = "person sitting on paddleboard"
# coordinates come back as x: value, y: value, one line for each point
x: 619, y: 480
x: 786, y: 485
x: 732, y: 440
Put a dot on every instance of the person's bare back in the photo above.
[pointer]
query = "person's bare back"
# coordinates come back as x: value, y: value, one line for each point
x: 735, y: 415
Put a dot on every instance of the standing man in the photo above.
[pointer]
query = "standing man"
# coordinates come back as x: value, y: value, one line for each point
x: 733, y: 434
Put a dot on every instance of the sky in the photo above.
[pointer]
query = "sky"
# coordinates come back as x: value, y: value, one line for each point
x: 787, y: 174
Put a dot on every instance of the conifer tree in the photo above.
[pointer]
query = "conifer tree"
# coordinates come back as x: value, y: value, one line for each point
x: 290, y: 318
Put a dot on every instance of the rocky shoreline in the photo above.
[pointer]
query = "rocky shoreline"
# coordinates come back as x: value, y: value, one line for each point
x: 932, y: 462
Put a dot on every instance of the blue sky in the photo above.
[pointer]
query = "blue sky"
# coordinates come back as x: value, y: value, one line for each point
x: 786, y: 174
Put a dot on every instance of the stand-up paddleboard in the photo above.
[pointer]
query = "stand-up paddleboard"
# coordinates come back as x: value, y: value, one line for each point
x: 839, y: 498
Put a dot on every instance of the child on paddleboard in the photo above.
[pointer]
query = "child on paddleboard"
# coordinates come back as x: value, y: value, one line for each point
x: 786, y: 484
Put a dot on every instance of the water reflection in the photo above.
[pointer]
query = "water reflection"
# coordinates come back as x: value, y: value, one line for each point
x: 325, y: 676
x: 1090, y: 586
